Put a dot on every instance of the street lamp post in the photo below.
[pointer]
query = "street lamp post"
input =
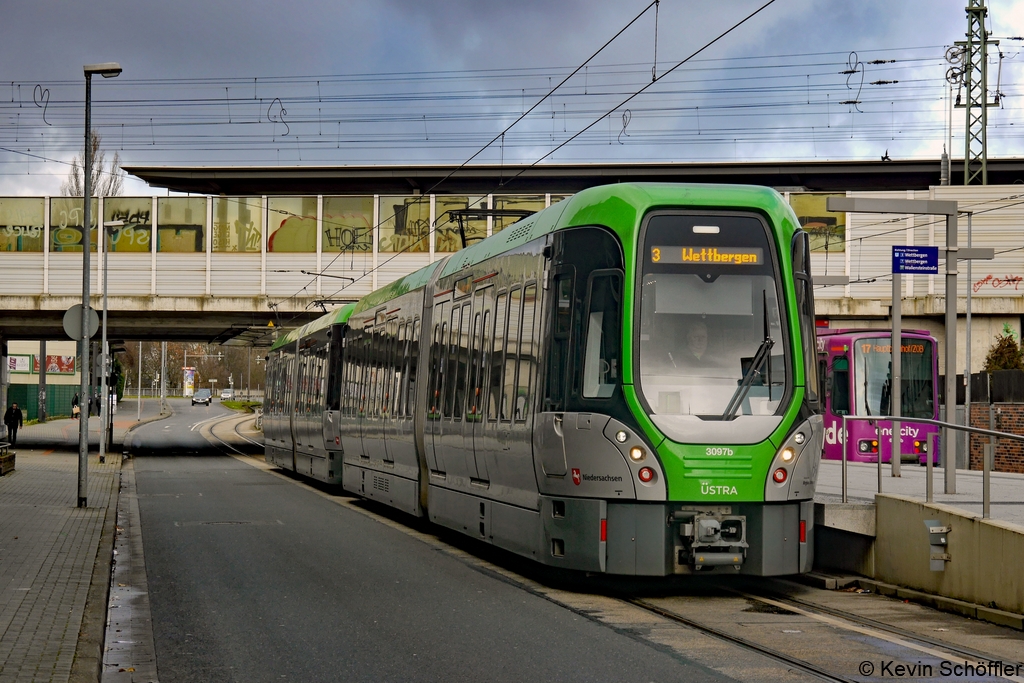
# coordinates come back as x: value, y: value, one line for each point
x: 105, y: 416
x: 107, y: 70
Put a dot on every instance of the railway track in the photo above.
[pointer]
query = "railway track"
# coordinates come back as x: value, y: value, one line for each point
x: 772, y: 653
x: 951, y: 648
x: 842, y: 620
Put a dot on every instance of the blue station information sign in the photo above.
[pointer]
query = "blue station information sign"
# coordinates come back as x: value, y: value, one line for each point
x: 919, y: 260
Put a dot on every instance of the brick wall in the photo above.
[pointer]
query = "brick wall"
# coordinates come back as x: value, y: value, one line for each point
x: 1008, y: 417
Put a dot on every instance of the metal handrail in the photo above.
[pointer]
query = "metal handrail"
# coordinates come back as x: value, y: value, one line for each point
x: 929, y: 490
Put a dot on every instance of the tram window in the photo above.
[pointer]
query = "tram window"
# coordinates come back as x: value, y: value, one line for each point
x: 394, y: 367
x: 370, y: 375
x: 364, y: 367
x: 438, y: 371
x: 414, y: 353
x: 381, y: 367
x: 335, y: 371
x: 563, y: 305
x: 452, y: 350
x: 603, y: 335
x: 558, y: 358
x: 801, y: 252
x: 841, y: 386
x: 474, y: 342
x: 398, y: 368
x: 527, y: 352
x: 497, y: 357
x: 822, y: 381
x: 348, y: 369
x: 511, y: 354
x: 463, y: 364
x: 384, y: 371
x: 398, y: 397
x: 480, y: 388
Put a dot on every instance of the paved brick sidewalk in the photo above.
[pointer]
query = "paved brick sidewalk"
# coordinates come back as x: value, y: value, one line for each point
x: 48, y: 550
x: 62, y: 434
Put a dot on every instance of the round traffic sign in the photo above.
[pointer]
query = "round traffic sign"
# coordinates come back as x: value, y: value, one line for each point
x: 73, y: 322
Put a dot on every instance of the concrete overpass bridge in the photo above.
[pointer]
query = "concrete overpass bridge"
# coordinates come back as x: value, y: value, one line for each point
x: 223, y: 267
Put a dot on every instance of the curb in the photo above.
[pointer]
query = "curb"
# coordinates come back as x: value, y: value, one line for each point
x: 944, y: 604
x: 88, y: 660
x: 164, y: 414
x: 817, y: 579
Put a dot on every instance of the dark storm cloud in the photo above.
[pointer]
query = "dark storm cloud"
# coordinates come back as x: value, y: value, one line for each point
x: 48, y: 41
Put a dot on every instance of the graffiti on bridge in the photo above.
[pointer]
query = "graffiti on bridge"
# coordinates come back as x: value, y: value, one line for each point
x: 995, y: 282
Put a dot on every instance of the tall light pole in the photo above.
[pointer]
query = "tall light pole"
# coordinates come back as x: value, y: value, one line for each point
x: 104, y: 360
x: 107, y: 70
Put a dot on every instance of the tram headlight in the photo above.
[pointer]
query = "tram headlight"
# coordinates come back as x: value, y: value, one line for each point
x: 637, y: 454
x: 788, y: 454
x: 621, y: 436
x: 799, y: 438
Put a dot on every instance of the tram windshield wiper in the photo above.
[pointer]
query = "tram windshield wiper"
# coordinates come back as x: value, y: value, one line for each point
x: 760, y: 358
x: 763, y: 355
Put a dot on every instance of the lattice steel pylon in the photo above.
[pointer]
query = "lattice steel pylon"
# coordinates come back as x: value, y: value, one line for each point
x: 974, y: 52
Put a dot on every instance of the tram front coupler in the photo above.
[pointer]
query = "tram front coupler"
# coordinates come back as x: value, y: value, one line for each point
x: 710, y: 538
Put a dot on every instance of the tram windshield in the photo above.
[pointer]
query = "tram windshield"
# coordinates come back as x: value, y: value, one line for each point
x: 711, y: 342
x: 873, y: 376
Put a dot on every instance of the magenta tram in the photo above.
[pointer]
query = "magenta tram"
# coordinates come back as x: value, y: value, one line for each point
x: 856, y: 370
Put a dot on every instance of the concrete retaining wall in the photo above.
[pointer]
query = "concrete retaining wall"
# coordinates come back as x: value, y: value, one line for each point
x: 888, y: 543
x: 987, y: 556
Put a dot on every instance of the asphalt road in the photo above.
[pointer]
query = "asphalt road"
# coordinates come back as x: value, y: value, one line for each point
x: 178, y: 434
x: 253, y: 578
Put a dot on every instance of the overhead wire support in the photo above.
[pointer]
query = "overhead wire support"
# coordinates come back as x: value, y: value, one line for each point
x: 975, y: 80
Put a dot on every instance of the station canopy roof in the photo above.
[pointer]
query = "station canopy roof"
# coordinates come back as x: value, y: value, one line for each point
x: 796, y: 176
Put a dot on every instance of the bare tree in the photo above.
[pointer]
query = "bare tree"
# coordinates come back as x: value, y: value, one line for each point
x: 106, y: 182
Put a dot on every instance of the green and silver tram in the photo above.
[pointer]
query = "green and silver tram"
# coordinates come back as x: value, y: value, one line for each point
x: 624, y: 382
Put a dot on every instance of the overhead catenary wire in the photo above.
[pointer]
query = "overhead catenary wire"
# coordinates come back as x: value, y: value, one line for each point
x: 704, y: 47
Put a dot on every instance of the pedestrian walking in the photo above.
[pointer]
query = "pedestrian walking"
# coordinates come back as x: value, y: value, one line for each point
x: 13, y: 419
x: 76, y: 409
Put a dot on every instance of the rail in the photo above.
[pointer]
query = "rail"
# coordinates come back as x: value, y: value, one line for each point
x: 989, y: 450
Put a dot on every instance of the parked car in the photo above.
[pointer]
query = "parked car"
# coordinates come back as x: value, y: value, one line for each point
x: 202, y: 396
x: 227, y: 394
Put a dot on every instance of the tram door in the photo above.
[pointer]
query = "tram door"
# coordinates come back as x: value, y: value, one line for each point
x: 389, y: 369
x: 373, y: 422
x: 483, y: 303
x: 456, y: 435
x: 436, y: 386
x: 291, y: 364
x: 334, y: 373
x: 550, y: 433
x: 399, y: 436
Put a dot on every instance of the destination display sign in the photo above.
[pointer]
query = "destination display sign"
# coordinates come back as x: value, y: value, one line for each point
x: 870, y: 346
x: 722, y: 256
x: 921, y: 260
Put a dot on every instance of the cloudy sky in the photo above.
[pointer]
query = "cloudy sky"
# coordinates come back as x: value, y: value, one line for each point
x: 397, y: 81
